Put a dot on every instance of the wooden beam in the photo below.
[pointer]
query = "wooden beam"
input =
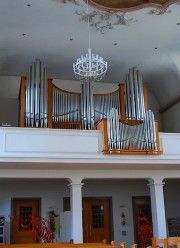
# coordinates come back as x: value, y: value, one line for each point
x: 22, y: 102
x: 169, y: 105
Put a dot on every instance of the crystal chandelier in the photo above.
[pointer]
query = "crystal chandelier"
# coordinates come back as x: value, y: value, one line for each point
x: 90, y: 68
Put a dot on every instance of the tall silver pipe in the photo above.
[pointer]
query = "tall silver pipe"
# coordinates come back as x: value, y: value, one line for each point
x: 28, y: 100
x: 131, y: 94
x: 41, y: 94
x: 134, y: 96
x: 82, y: 105
x: 87, y: 106
x: 104, y: 103
x: 88, y: 111
x: 77, y: 108
x: 45, y: 99
x: 109, y: 131
x: 36, y: 96
x: 136, y: 92
x: 128, y: 103
x: 141, y: 98
x: 92, y: 106
x: 32, y: 95
x: 37, y: 92
x: 69, y: 107
x: 54, y: 104
x: 146, y: 131
x: 58, y: 105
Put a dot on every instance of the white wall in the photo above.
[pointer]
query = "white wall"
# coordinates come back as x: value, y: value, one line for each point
x: 9, y: 112
x: 9, y: 106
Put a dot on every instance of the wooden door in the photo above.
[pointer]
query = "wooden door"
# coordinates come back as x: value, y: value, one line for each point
x: 96, y: 219
x: 22, y: 212
x: 142, y: 221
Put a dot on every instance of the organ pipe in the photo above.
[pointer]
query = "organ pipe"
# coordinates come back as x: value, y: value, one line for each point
x: 104, y: 103
x: 134, y: 97
x: 36, y: 96
x: 66, y: 106
x: 87, y: 106
x: 138, y: 137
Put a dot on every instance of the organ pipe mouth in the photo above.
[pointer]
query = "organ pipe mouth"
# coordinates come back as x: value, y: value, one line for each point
x: 131, y: 122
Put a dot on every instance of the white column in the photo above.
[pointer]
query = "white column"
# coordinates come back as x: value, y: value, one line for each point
x: 76, y: 212
x: 158, y: 210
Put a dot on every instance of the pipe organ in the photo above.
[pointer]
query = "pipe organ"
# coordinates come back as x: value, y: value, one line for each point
x: 123, y: 116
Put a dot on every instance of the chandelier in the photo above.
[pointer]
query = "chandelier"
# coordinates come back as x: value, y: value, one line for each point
x: 91, y: 67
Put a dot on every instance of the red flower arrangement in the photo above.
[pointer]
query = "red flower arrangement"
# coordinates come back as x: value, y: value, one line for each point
x: 39, y: 226
x: 145, y: 231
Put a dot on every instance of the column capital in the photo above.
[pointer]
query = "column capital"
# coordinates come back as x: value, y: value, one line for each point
x: 155, y: 181
x: 75, y: 185
x: 156, y: 184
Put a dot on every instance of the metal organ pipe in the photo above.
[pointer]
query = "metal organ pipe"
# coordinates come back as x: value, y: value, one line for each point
x: 139, y: 137
x: 136, y: 92
x: 141, y: 95
x: 87, y: 106
x: 104, y: 103
x: 134, y: 97
x: 32, y: 95
x: 28, y: 100
x: 131, y: 94
x: 66, y: 106
x: 36, y: 96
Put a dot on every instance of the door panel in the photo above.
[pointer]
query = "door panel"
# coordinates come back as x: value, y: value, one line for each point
x: 96, y: 219
x: 22, y: 210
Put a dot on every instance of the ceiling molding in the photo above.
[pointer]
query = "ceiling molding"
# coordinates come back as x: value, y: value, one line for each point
x: 124, y: 6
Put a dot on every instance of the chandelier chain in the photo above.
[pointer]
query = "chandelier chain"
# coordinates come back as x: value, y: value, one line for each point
x: 89, y: 68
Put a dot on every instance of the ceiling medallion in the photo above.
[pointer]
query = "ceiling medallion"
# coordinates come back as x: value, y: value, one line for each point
x: 104, y: 20
x: 160, y: 11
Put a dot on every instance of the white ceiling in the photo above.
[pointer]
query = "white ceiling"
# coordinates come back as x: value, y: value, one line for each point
x: 45, y: 28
